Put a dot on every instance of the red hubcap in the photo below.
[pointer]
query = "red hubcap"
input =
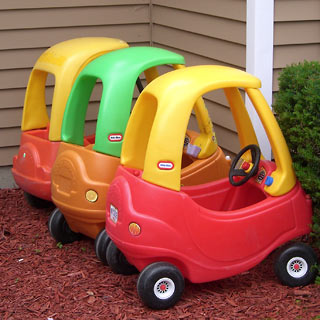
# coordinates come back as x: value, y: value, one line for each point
x: 163, y: 287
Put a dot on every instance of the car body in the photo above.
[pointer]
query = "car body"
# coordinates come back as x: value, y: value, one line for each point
x: 208, y: 231
x: 81, y: 174
x: 40, y: 136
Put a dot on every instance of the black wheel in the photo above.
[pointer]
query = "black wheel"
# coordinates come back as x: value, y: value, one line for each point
x: 37, y: 202
x: 59, y: 229
x: 100, y: 246
x: 237, y: 171
x: 160, y: 285
x: 294, y: 265
x: 117, y: 261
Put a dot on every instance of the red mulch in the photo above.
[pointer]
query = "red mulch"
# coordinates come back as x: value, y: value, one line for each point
x: 41, y: 281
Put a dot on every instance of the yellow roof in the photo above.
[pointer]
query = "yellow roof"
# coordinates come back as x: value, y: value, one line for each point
x: 203, y: 78
x: 155, y: 133
x: 64, y: 60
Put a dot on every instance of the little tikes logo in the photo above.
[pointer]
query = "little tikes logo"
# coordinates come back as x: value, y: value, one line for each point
x: 115, y: 137
x: 165, y: 165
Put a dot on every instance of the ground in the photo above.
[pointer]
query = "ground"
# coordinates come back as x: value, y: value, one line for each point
x: 40, y: 280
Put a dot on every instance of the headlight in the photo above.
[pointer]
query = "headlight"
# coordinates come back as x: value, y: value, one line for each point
x: 134, y: 229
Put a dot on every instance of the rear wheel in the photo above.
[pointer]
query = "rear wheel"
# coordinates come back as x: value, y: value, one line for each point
x: 59, y: 229
x: 118, y: 262
x: 100, y: 246
x: 160, y: 285
x: 37, y: 202
x: 295, y: 265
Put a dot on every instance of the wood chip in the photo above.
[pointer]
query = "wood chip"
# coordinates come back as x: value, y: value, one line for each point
x: 69, y: 283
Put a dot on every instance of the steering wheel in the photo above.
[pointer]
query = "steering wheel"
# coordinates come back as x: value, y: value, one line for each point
x: 240, y: 172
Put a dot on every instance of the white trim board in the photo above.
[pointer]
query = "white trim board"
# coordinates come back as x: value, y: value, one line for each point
x: 259, y: 59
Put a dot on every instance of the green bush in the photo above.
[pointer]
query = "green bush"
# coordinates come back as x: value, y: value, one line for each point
x: 297, y: 108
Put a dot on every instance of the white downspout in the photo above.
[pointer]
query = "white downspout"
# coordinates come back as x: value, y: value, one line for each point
x: 259, y: 59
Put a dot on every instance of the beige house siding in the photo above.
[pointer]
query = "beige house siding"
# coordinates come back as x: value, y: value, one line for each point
x: 205, y: 32
x: 296, y: 33
x: 28, y: 27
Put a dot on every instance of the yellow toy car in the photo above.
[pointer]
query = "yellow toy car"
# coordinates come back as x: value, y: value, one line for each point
x: 40, y: 136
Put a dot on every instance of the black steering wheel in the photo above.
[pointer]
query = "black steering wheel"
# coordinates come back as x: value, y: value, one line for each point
x: 235, y: 171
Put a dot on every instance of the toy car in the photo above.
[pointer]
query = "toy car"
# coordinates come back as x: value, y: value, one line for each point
x: 210, y: 231
x: 81, y: 174
x: 40, y: 135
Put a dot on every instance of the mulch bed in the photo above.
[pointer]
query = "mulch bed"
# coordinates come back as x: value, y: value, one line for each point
x: 41, y: 281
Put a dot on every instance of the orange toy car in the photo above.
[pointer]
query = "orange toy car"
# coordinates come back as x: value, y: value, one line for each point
x: 81, y: 174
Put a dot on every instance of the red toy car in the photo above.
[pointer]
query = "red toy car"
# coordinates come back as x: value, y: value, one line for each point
x: 209, y: 231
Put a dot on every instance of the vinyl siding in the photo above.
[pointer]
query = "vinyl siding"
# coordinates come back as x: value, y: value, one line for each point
x: 205, y: 32
x: 29, y: 27
x: 296, y: 34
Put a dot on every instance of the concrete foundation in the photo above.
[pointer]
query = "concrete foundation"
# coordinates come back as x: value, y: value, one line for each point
x: 6, y: 178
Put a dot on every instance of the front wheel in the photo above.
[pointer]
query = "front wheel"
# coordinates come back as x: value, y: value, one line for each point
x: 160, y: 285
x: 100, y: 246
x: 118, y: 262
x: 59, y: 229
x: 295, y: 265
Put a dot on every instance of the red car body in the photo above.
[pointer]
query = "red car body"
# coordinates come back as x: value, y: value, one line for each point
x: 210, y: 231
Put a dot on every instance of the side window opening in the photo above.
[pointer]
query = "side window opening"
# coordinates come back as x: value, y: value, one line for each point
x: 135, y: 152
x: 136, y: 93
x: 223, y: 122
x: 38, y: 104
x: 92, y: 113
x: 261, y: 134
x: 49, y: 89
x: 165, y: 69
